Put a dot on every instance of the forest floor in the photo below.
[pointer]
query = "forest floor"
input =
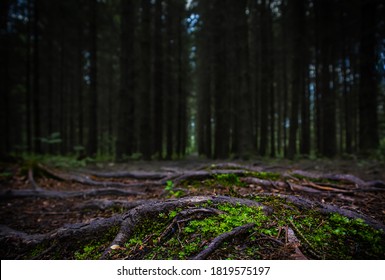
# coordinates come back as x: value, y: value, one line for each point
x: 194, y: 209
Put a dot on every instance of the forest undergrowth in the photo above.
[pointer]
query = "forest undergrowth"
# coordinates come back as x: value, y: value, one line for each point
x: 193, y: 209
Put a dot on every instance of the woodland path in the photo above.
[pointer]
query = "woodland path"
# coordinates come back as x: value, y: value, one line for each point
x: 194, y: 209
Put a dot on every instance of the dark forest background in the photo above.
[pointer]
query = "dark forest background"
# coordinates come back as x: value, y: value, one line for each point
x: 160, y: 79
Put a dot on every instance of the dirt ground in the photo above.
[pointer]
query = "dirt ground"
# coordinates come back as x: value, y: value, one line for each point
x: 42, y: 214
x: 39, y: 215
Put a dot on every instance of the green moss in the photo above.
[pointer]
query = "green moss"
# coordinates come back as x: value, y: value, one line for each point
x: 228, y: 180
x: 340, y: 237
x: 265, y: 175
x: 145, y: 236
x: 37, y: 250
x: 333, y: 236
x: 188, y: 238
x: 329, y: 236
x: 90, y: 252
x: 234, y: 216
x: 93, y: 249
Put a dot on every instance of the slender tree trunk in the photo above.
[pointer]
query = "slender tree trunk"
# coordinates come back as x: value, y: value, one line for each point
x: 158, y: 80
x: 297, y: 12
x: 125, y: 127
x: 265, y: 79
x: 305, y: 111
x: 28, y: 79
x: 221, y: 92
x: 36, y: 80
x: 80, y: 75
x: 368, y: 118
x: 145, y: 96
x: 5, y: 142
x: 92, y: 146
x: 326, y: 114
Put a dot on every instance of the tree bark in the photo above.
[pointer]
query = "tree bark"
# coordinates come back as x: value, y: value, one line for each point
x: 92, y: 147
x: 368, y: 118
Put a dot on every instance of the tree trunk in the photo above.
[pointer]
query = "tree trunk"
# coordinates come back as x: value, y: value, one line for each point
x: 158, y: 80
x: 92, y: 146
x: 36, y: 81
x: 265, y: 81
x: 145, y: 95
x: 368, y: 79
x: 5, y: 142
x: 125, y: 125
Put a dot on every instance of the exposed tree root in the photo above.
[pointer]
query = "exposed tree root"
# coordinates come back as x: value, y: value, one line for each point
x: 294, y: 242
x: 203, y: 175
x: 291, y: 188
x: 10, y: 194
x: 327, y: 209
x: 20, y: 242
x: 86, y: 180
x: 139, y: 175
x: 103, y: 204
x: 186, y: 216
x: 357, y: 182
x: 32, y: 181
x: 209, y: 172
x: 152, y: 209
x: 38, y: 191
x: 217, y: 242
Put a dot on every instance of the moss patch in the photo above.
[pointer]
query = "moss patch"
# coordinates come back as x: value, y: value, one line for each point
x: 329, y: 236
x: 265, y: 175
x: 189, y: 237
x: 322, y: 236
x: 94, y: 248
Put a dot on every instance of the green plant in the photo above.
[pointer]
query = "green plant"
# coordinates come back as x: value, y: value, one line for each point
x: 5, y: 175
x: 170, y: 189
x: 169, y: 186
x: 53, y: 138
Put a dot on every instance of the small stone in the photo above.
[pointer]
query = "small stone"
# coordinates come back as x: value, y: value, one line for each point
x: 115, y: 247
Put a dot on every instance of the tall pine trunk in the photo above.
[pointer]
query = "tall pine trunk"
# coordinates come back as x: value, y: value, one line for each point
x: 368, y: 80
x: 92, y: 146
